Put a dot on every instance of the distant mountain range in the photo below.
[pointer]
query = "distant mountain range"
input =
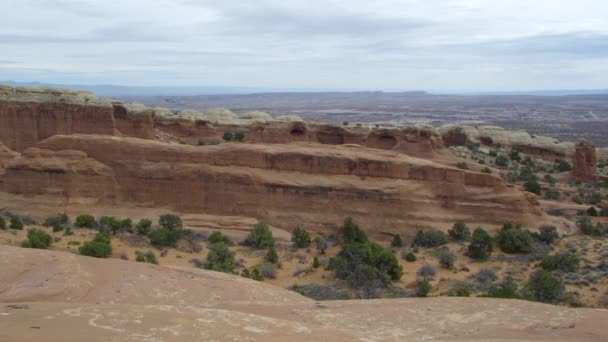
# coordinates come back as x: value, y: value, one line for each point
x: 108, y: 90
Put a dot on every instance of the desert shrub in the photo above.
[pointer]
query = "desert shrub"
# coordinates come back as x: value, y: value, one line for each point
x: 200, y: 142
x: 502, y: 161
x: 430, y: 238
x: 16, y: 223
x: 459, y: 232
x: 268, y: 270
x: 68, y: 231
x: 514, y: 155
x: 164, y: 237
x: 350, y: 232
x: 513, y: 239
x: 319, y: 292
x: 99, y: 247
x: 227, y: 136
x: 426, y: 272
x: 315, y: 263
x: 587, y: 227
x: 364, y: 264
x: 481, y: 245
x: 604, y: 212
x: 577, y: 200
x: 532, y: 185
x: 171, y: 222
x: 127, y: 224
x: 483, y: 162
x: 562, y: 165
x: 59, y: 219
x: 410, y: 257
x: 144, y: 226
x: 238, y: 136
x: 321, y: 245
x: 544, y: 287
x: 485, y: 276
x: 595, y: 198
x: 109, y: 223
x: 592, y: 212
x: 85, y: 221
x: 74, y: 243
x: 547, y: 234
x: 507, y: 289
x: 486, y: 169
x: 565, y: 261
x: 148, y: 257
x: 300, y: 238
x: 217, y: 237
x: 462, y: 166
x: 423, y: 289
x: 2, y: 223
x: 493, y: 153
x: 397, y: 242
x: 549, y: 179
x: 37, y: 238
x: 260, y: 237
x: 446, y: 258
x: 57, y: 228
x: 272, y: 256
x: 552, y: 194
x: 220, y: 258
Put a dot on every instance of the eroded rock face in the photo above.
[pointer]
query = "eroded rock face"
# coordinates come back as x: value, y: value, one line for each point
x: 284, y: 185
x: 584, y: 161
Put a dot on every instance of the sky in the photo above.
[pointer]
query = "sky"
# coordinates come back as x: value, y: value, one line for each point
x: 433, y: 45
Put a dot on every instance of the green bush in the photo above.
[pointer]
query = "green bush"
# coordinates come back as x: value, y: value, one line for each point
x: 260, y: 237
x: 315, y: 263
x: 486, y: 170
x: 238, y: 136
x: 565, y: 261
x: 148, y: 257
x: 544, y: 287
x: 220, y: 258
x: 462, y: 166
x: 227, y: 136
x: 164, y: 237
x: 217, y: 237
x: 459, y: 232
x: 514, y: 155
x: 410, y: 257
x: 272, y: 256
x: 562, y: 165
x: 2, y: 223
x: 587, y: 227
x: 85, y: 221
x: 423, y: 289
x: 350, y: 232
x: 171, y: 222
x: 144, y: 227
x: 109, y: 223
x: 300, y: 238
x: 99, y: 247
x: 430, y: 238
x: 592, y: 212
x: 507, y: 289
x: 493, y: 153
x: 549, y: 179
x: 502, y: 161
x: 57, y: 228
x: 446, y: 259
x: 595, y: 198
x: 37, y: 238
x: 552, y: 194
x: 16, y: 223
x: 513, y: 239
x: 397, y: 242
x: 547, y: 234
x: 532, y: 185
x: 59, y: 219
x: 481, y: 245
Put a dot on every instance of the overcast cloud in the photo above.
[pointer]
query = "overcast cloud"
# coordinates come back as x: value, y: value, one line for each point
x: 436, y: 45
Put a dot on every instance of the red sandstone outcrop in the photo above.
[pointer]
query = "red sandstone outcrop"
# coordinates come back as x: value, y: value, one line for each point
x: 285, y: 185
x: 584, y: 161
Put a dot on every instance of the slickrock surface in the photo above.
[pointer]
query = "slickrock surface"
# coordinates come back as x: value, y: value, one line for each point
x: 56, y: 296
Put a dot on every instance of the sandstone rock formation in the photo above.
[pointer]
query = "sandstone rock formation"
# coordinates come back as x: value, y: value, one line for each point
x: 56, y: 296
x: 459, y: 135
x: 584, y: 161
x: 284, y: 185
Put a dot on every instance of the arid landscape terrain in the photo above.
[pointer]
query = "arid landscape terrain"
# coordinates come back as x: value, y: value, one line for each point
x: 127, y: 222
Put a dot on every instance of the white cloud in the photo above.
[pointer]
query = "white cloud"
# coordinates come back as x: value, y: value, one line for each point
x: 387, y: 44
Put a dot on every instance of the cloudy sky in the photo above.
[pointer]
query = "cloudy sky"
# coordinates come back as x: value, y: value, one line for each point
x: 436, y: 45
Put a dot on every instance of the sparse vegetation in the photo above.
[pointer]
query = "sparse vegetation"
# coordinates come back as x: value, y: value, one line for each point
x: 565, y: 261
x: 397, y: 242
x: 272, y: 256
x: 486, y: 170
x: 59, y: 219
x: 300, y: 238
x: 562, y: 165
x: 144, y: 227
x: 481, y: 245
x: 544, y: 287
x: 502, y: 161
x: 462, y: 166
x: 85, y: 221
x: 514, y: 239
x: 423, y: 289
x: 16, y: 223
x: 220, y: 258
x: 2, y: 223
x: 148, y: 257
x: 459, y: 232
x: 260, y: 237
x: 446, y: 259
x: 217, y: 237
x: 99, y: 247
x: 430, y: 238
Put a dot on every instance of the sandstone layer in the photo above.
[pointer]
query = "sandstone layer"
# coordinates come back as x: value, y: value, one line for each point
x: 56, y: 296
x: 281, y: 184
